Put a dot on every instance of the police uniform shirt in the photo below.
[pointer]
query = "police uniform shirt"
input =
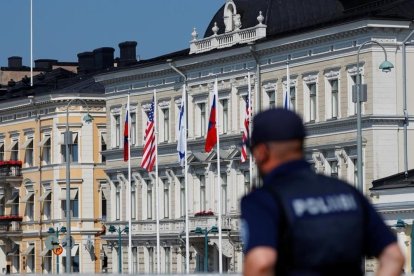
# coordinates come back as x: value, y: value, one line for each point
x: 260, y: 215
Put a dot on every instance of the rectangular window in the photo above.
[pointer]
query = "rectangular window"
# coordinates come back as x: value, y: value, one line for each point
x: 202, y: 179
x: 224, y: 193
x: 334, y: 98
x: 151, y: 259
x: 272, y: 99
x: 47, y: 262
x: 46, y: 149
x: 292, y: 97
x: 182, y: 196
x: 1, y: 151
x: 28, y: 158
x: 166, y: 199
x: 103, y: 146
x: 353, y: 106
x: 74, y: 203
x: 246, y: 175
x: 75, y: 260
x: 118, y: 202
x: 135, y: 260
x: 334, y: 168
x: 29, y: 206
x: 47, y: 205
x: 149, y: 200
x: 117, y: 121
x: 73, y: 149
x: 30, y: 263
x: 2, y: 204
x: 312, y: 101
x: 167, y: 251
x: 355, y: 162
x: 14, y: 155
x: 225, y: 115
x: 166, y: 124
x: 133, y: 201
x: 104, y: 207
x: 14, y: 202
x: 133, y: 130
x: 202, y: 112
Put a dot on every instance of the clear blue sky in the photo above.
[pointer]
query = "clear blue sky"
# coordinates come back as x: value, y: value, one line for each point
x: 63, y: 28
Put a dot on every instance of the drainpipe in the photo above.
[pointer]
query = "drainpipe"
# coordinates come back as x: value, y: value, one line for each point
x: 258, y: 97
x: 404, y: 60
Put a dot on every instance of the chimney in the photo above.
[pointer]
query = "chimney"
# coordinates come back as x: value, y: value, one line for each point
x: 15, y: 62
x: 45, y: 64
x: 86, y: 62
x: 128, y: 53
x: 104, y: 58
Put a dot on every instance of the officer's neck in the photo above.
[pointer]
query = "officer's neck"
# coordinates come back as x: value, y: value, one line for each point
x: 275, y: 162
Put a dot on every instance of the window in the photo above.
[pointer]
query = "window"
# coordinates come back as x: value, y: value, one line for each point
x: 224, y: 193
x: 166, y: 124
x: 1, y: 151
x: 202, y: 179
x: 118, y: 201
x: 103, y: 146
x: 334, y: 168
x: 14, y: 202
x: 272, y: 99
x: 103, y: 207
x: 182, y: 196
x: 14, y: 155
x: 28, y: 146
x: 47, y: 262
x: 334, y: 98
x: 117, y: 125
x: 2, y: 204
x: 151, y: 259
x: 135, y: 260
x: 202, y: 112
x: 225, y: 115
x: 312, y: 101
x: 166, y: 199
x: 30, y: 253
x: 149, y: 200
x: 75, y: 260
x: 355, y: 162
x: 46, y: 198
x: 292, y: 97
x: 74, y: 203
x: 352, y: 106
x: 46, y: 149
x: 167, y: 251
x: 73, y: 148
x: 133, y: 201
x: 29, y: 200
x: 246, y: 175
x: 133, y: 130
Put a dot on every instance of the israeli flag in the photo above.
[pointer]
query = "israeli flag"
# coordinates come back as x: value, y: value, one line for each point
x: 181, y: 131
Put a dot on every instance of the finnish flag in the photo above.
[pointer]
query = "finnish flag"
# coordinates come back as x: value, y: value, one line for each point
x: 181, y: 131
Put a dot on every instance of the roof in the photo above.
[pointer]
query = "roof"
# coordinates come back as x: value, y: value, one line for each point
x: 395, y: 181
x: 287, y: 16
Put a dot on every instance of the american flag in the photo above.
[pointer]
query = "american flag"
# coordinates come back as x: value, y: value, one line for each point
x: 245, y: 130
x: 149, y: 158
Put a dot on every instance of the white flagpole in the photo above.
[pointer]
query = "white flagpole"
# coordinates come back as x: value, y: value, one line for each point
x: 287, y: 94
x: 187, y: 231
x: 218, y: 180
x: 130, y: 271
x: 156, y: 183
x: 250, y: 126
x: 31, y: 42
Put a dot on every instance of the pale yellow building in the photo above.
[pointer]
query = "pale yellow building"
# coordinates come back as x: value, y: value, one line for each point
x: 33, y: 172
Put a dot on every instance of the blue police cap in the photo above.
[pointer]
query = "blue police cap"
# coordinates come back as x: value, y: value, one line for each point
x: 277, y: 124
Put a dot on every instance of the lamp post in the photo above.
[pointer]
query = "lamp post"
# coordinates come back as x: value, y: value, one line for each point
x: 57, y: 231
x: 67, y: 137
x: 113, y: 229
x: 205, y: 232
x: 386, y: 67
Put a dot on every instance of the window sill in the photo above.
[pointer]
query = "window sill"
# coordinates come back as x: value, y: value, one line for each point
x: 332, y: 119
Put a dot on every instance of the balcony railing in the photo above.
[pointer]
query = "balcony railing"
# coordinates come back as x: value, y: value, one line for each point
x: 10, y: 226
x: 10, y: 168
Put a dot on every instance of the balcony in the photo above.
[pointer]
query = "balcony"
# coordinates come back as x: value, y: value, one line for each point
x: 228, y: 39
x: 11, y: 172
x: 10, y: 225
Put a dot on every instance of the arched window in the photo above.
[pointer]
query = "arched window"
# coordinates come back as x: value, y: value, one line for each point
x: 229, y: 11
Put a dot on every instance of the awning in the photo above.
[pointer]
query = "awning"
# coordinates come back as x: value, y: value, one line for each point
x: 73, y: 252
x: 45, y: 195
x: 62, y: 138
x: 11, y: 146
x: 44, y: 252
x: 73, y: 194
x: 44, y: 140
x: 14, y: 196
x: 27, y: 143
x: 28, y: 250
x: 28, y: 196
x: 14, y: 251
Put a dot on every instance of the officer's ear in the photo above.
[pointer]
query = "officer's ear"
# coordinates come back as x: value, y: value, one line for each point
x: 261, y: 153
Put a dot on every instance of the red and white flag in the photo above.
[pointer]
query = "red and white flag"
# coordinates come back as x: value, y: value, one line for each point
x: 246, y: 123
x: 149, y: 156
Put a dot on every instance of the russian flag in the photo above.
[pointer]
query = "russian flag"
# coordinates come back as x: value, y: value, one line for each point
x: 126, y: 136
x: 211, y: 140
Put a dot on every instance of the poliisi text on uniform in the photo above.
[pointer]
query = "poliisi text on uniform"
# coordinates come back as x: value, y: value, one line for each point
x: 324, y: 205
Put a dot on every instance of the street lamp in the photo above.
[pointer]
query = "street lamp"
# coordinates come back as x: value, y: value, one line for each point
x: 68, y: 139
x: 205, y: 232
x: 57, y: 231
x: 113, y: 229
x: 386, y: 67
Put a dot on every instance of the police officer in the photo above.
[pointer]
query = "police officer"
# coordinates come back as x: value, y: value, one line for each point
x: 303, y: 223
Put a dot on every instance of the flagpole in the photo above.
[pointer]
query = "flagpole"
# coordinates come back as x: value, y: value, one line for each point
x: 31, y: 42
x: 249, y: 98
x: 218, y: 180
x: 129, y: 190
x: 287, y: 94
x: 156, y: 183
x: 187, y: 231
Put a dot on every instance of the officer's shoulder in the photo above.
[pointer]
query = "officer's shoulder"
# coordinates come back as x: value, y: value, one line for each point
x: 258, y: 194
